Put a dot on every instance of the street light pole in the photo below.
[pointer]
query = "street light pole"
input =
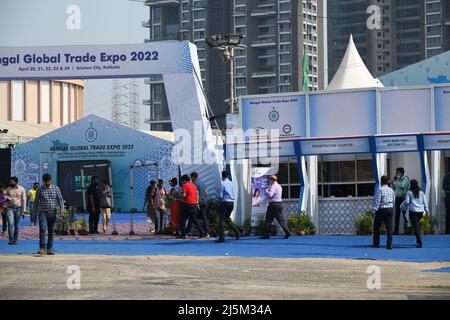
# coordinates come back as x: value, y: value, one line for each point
x: 232, y: 101
x: 227, y: 45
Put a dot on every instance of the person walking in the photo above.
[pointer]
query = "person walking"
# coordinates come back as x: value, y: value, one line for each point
x: 3, y: 208
x: 175, y: 205
x: 189, y: 206
x: 383, y: 209
x: 106, y: 204
x: 17, y: 205
x: 446, y: 188
x: 227, y: 198
x: 159, y: 204
x: 275, y: 208
x: 203, y: 197
x: 31, y: 196
x: 48, y: 197
x: 400, y: 184
x: 93, y: 205
x: 416, y: 203
x: 148, y: 205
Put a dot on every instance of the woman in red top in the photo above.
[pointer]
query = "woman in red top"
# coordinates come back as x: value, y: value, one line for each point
x: 189, y: 206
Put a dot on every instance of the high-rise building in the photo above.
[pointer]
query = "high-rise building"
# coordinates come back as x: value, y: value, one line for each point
x: 276, y: 33
x: 437, y: 19
x: 410, y: 31
x: 192, y: 20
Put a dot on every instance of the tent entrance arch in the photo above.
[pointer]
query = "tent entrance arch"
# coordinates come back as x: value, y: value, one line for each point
x: 107, y: 167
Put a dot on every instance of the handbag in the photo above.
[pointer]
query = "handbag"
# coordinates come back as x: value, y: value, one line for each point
x: 105, y: 202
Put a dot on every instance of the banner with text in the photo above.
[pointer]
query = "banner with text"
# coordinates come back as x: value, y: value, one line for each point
x: 95, y: 61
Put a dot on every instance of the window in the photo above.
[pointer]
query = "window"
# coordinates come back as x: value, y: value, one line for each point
x: 45, y: 101
x: 346, y: 178
x: 18, y: 99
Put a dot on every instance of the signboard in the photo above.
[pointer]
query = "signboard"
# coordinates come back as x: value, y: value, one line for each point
x: 253, y: 150
x: 386, y: 144
x: 436, y: 141
x: 335, y: 146
x: 287, y: 115
x: 442, y: 102
x: 94, y: 61
x: 260, y: 182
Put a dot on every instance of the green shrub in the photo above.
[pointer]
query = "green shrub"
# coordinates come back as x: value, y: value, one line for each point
x: 427, y: 224
x: 364, y: 224
x: 301, y: 224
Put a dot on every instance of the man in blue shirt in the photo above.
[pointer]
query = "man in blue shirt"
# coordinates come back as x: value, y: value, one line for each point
x: 203, y: 195
x: 227, y: 197
x: 275, y: 209
x: 48, y: 197
x: 383, y: 208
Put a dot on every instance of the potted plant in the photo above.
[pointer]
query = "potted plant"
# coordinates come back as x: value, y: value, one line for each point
x: 81, y: 226
x: 301, y: 224
x: 427, y: 224
x: 364, y: 224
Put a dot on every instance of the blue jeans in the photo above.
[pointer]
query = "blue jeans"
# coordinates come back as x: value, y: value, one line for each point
x: 47, y: 221
x: 13, y: 215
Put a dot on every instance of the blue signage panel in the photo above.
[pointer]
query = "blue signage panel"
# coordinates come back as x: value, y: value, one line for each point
x: 253, y: 150
x: 335, y: 146
x: 402, y: 143
x: 436, y: 141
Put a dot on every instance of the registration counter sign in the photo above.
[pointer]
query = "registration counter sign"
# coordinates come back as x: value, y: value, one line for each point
x: 437, y: 141
x: 335, y: 146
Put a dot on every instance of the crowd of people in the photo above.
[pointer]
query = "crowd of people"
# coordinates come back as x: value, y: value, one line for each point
x: 177, y: 210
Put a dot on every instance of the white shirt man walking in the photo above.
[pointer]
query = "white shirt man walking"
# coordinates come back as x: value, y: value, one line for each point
x: 383, y: 208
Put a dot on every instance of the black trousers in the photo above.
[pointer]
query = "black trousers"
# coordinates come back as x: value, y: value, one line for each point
x: 447, y: 214
x: 225, y: 210
x: 383, y: 215
x: 203, y: 212
x: 275, y: 211
x: 188, y: 213
x: 94, y: 218
x: 398, y: 202
x: 415, y: 222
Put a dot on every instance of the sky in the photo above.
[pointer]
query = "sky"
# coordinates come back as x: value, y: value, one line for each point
x: 44, y: 23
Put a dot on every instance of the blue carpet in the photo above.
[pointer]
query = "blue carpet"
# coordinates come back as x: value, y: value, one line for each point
x: 120, y: 218
x: 445, y: 269
x: 436, y: 248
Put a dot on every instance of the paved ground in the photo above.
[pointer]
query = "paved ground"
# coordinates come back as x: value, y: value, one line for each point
x: 155, y: 267
x: 175, y: 277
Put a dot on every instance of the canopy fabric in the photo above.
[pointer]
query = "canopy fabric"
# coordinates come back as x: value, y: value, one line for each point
x: 352, y: 72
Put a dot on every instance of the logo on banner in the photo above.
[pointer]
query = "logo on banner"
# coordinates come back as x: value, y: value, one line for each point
x: 166, y: 164
x: 20, y: 166
x: 274, y: 115
x: 91, y: 134
x: 287, y: 128
x: 45, y: 165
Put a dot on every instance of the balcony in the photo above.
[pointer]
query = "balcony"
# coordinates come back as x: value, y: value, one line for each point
x: 161, y: 2
x: 146, y: 24
x: 146, y: 102
x: 264, y: 12
x: 261, y: 43
x: 150, y: 81
x: 269, y: 73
